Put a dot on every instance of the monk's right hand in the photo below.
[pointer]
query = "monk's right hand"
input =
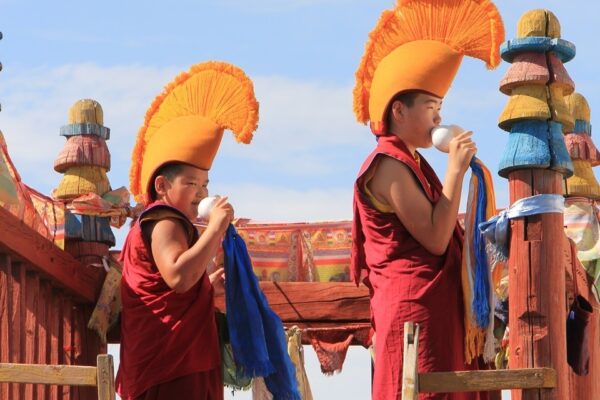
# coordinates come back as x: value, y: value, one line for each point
x: 221, y: 215
x: 462, y: 151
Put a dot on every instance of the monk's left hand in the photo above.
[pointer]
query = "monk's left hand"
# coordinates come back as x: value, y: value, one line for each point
x: 217, y: 279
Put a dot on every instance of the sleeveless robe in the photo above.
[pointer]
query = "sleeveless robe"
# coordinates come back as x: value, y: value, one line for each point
x: 169, y: 342
x: 408, y: 283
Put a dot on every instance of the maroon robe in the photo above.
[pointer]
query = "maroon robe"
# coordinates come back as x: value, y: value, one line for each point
x: 408, y: 283
x: 169, y: 342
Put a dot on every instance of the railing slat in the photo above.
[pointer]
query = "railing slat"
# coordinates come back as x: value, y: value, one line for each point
x: 48, y: 374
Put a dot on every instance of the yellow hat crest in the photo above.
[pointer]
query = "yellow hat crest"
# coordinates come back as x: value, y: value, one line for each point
x: 185, y: 123
x: 419, y: 45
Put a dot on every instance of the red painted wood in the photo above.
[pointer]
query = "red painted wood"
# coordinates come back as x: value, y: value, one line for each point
x: 91, y: 346
x: 78, y: 344
x: 18, y: 285
x: 42, y: 333
x: 55, y: 336
x: 5, y: 300
x: 22, y: 242
x: 39, y: 287
x: 537, y: 286
x: 31, y: 305
x: 83, y: 150
x: 67, y: 341
x: 312, y: 302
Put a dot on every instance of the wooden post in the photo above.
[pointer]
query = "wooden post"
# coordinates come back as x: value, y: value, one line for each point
x: 534, y: 162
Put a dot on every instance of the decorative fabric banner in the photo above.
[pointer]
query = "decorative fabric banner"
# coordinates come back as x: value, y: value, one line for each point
x: 496, y: 229
x: 113, y: 204
x: 299, y: 252
x: 476, y: 273
x: 37, y: 211
x: 582, y: 226
x: 255, y: 331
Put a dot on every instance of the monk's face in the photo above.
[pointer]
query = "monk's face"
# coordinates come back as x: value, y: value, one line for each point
x: 185, y: 190
x: 416, y: 121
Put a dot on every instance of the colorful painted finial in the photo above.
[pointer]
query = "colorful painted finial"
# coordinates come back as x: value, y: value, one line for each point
x: 536, y: 114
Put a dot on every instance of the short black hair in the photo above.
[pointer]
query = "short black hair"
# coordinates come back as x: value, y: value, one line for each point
x: 407, y: 98
x: 170, y: 171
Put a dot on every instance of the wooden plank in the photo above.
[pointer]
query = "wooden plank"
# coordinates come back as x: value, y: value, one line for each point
x: 20, y: 240
x: 475, y: 381
x: 48, y: 374
x: 5, y: 308
x: 309, y: 304
x: 105, y: 377
x: 67, y: 341
x: 42, y: 333
x: 55, y: 336
x: 18, y: 285
x: 315, y: 301
x: 410, y: 376
x: 91, y: 347
x: 31, y: 299
x: 77, y: 346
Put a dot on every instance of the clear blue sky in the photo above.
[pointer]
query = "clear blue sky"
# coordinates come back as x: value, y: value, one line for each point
x: 302, y: 55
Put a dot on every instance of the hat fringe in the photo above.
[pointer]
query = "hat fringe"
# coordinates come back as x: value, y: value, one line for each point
x: 216, y: 90
x: 382, y: 40
x: 470, y: 27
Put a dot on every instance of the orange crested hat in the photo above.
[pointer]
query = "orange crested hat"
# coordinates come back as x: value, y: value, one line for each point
x: 419, y: 45
x: 185, y: 123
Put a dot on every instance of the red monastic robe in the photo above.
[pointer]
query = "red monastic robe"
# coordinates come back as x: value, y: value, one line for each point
x: 169, y: 342
x: 408, y: 283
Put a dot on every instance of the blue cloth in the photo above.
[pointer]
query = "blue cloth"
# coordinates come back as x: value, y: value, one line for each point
x: 496, y: 229
x: 481, y: 290
x: 255, y: 331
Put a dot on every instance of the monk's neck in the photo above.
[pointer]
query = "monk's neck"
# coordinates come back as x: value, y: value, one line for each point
x: 411, y: 148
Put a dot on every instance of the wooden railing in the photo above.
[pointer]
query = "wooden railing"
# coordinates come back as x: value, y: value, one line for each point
x: 46, y: 299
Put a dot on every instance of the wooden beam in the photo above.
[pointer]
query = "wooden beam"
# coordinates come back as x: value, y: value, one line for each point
x: 22, y: 242
x: 475, y: 381
x: 311, y: 303
x: 48, y: 374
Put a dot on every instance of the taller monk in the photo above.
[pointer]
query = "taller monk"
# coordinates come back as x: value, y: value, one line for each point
x: 407, y: 243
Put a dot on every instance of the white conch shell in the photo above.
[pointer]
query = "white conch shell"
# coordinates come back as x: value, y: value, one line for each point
x: 205, y: 206
x: 443, y: 134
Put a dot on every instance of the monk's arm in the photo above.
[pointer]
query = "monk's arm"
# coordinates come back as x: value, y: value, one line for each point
x: 430, y: 224
x: 181, y: 267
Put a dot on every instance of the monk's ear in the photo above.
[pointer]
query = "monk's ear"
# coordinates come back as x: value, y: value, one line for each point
x: 398, y: 110
x: 161, y: 185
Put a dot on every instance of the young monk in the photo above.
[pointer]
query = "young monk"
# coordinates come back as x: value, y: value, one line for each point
x: 406, y: 241
x: 169, y: 342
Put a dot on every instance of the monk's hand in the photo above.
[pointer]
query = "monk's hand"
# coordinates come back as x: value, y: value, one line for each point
x: 221, y: 215
x: 462, y: 151
x: 217, y: 279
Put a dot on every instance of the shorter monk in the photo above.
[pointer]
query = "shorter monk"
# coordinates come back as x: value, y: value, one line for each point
x: 169, y: 342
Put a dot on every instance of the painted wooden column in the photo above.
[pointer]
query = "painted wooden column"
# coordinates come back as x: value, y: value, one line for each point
x: 582, y: 191
x: 535, y: 162
x: 84, y: 161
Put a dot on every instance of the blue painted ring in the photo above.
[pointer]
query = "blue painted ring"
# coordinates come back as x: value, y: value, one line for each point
x: 85, y: 129
x: 565, y: 50
x: 514, y: 47
x: 582, y: 126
